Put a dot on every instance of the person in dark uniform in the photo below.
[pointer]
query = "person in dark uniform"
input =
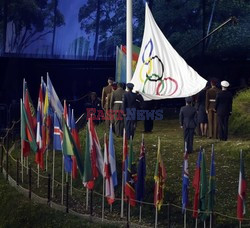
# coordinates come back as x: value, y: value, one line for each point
x: 202, y: 115
x: 188, y: 121
x: 223, y: 107
x: 130, y: 105
x: 210, y: 110
x: 149, y: 123
x: 116, y: 106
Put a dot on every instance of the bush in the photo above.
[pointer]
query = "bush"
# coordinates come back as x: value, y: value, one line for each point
x: 240, y: 119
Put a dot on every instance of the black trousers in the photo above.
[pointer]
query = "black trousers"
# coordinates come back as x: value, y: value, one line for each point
x: 223, y: 126
x: 130, y: 126
x: 148, y: 125
x: 189, y: 139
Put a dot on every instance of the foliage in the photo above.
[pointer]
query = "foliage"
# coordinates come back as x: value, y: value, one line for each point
x: 31, y: 20
x: 240, y: 119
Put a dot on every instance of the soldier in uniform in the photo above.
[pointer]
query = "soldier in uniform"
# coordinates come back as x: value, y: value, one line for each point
x: 109, y: 112
x: 210, y: 110
x: 105, y: 91
x: 188, y: 121
x: 130, y: 105
x: 223, y: 107
x: 116, y: 106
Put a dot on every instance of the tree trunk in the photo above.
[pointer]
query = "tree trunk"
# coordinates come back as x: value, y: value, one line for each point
x: 5, y: 21
x: 97, y: 28
x: 54, y: 27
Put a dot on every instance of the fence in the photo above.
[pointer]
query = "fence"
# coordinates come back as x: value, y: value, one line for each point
x: 91, y: 211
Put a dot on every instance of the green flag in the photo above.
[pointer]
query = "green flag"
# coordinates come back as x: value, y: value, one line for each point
x: 69, y: 147
x: 203, y: 188
x: 26, y: 131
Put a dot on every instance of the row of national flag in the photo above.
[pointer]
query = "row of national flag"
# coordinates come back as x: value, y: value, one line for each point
x: 52, y: 120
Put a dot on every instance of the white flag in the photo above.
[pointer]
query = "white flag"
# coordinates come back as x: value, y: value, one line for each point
x: 161, y: 72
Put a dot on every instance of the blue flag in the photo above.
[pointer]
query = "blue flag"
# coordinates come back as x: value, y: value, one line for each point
x: 57, y: 139
x: 140, y: 185
x: 112, y: 157
x: 185, y: 183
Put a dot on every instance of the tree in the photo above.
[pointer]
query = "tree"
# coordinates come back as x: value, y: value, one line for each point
x: 30, y: 20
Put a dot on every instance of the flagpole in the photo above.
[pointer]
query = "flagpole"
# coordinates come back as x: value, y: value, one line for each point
x: 62, y: 177
x: 87, y: 198
x: 71, y: 184
x: 38, y: 174
x: 53, y: 173
x: 103, y: 187
x: 239, y: 224
x: 122, y: 195
x: 27, y: 167
x: 46, y: 161
x: 140, y: 212
x: 22, y: 157
x: 185, y: 218
x: 156, y: 216
x: 129, y: 35
x: 196, y: 222
x: 211, y: 220
x: 204, y: 224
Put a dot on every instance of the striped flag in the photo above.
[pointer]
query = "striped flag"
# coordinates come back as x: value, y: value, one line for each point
x: 185, y: 182
x: 112, y: 156
x: 109, y: 186
x: 140, y: 185
x: 159, y: 177
x: 241, y: 202
x: 125, y: 155
x: 196, y: 186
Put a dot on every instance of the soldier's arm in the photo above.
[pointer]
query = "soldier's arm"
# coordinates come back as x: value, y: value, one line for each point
x: 103, y: 98
x: 207, y: 101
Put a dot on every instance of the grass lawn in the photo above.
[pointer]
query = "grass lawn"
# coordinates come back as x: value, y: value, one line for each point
x: 227, y: 172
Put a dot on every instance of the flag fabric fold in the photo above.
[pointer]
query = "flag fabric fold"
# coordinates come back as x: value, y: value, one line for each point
x: 131, y: 176
x: 211, y: 189
x: 109, y: 186
x: 160, y: 71
x: 159, y: 177
x: 58, y: 135
x: 112, y: 158
x: 140, y: 184
x: 196, y: 185
x: 203, y: 188
x: 241, y: 201
x: 185, y: 182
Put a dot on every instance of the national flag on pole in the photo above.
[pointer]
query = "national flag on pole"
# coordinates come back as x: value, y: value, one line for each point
x: 131, y: 176
x: 241, y: 201
x: 54, y: 100
x: 46, y: 121
x: 203, y: 187
x: 159, y: 177
x: 93, y: 162
x: 27, y: 134
x: 196, y: 186
x: 30, y: 110
x: 161, y: 72
x: 69, y: 147
x: 109, y: 186
x: 211, y: 191
x: 185, y: 182
x: 67, y: 157
x: 75, y: 136
x: 140, y: 184
x: 112, y: 157
x: 58, y: 135
x: 39, y: 117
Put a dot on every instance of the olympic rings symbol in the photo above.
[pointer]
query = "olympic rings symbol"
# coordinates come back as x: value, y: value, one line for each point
x: 149, y: 77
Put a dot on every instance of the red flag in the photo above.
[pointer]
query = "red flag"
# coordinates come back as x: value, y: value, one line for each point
x: 196, y: 185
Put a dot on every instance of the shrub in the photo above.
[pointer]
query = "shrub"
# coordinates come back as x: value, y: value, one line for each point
x: 240, y: 119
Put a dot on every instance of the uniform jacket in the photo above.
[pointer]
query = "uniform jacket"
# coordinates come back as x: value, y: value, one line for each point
x: 105, y: 91
x: 188, y: 117
x: 130, y: 100
x: 210, y: 97
x: 117, y: 95
x: 223, y: 104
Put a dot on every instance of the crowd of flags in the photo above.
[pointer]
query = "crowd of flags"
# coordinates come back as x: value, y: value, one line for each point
x: 54, y: 124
